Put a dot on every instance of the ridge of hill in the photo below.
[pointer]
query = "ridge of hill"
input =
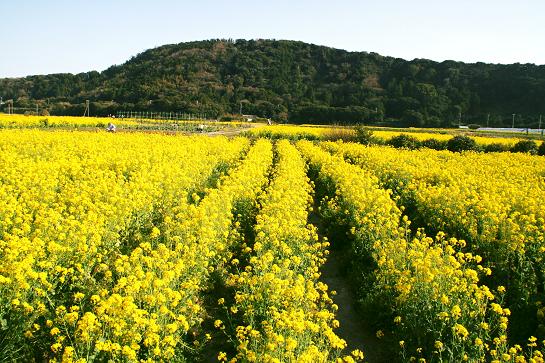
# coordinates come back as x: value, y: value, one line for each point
x: 295, y: 81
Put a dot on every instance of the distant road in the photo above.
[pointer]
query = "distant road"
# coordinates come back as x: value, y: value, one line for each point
x: 509, y: 129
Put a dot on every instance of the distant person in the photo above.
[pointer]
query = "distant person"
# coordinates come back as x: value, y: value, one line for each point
x: 111, y: 127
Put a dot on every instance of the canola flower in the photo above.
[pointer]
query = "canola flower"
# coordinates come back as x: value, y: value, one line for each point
x: 386, y: 135
x: 286, y: 311
x: 74, y: 203
x: 293, y: 132
x: 429, y: 285
x: 493, y: 201
x: 157, y: 298
x: 108, y: 244
x: 33, y: 121
x: 313, y: 132
x: 36, y: 121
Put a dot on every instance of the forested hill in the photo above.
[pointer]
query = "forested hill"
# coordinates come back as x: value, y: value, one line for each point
x: 295, y: 81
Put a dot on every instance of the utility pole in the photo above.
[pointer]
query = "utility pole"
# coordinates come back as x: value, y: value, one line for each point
x: 487, y: 119
x: 86, y: 112
x: 240, y: 111
x: 459, y: 119
x: 540, y: 122
x: 513, y: 126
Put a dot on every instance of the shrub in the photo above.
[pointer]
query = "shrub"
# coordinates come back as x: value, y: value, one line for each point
x: 496, y: 148
x: 462, y: 143
x: 434, y: 144
x: 363, y: 135
x: 229, y: 118
x: 473, y: 126
x: 337, y: 133
x: 525, y: 146
x: 541, y: 149
x: 404, y: 141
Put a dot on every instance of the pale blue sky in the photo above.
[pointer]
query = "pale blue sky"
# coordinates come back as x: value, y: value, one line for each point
x: 40, y: 37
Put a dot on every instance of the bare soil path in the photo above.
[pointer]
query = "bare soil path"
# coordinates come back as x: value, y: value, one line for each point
x: 232, y: 131
x: 353, y: 326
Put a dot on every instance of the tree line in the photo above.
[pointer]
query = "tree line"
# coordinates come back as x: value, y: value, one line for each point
x: 297, y: 82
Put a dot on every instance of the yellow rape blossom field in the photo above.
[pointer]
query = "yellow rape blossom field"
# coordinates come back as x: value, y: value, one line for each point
x: 69, y: 122
x: 313, y: 132
x: 140, y: 247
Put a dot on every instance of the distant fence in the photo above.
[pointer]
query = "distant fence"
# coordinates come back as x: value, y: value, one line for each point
x: 166, y: 116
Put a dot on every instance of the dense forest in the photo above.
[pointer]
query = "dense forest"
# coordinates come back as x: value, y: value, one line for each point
x: 293, y: 81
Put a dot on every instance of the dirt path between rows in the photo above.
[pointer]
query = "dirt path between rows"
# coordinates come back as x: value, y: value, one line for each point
x: 353, y: 327
x: 232, y: 131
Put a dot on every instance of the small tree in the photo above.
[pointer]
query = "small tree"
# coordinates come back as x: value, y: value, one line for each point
x: 525, y: 146
x: 404, y: 141
x: 462, y: 143
x: 496, y: 147
x: 434, y: 144
x: 363, y: 135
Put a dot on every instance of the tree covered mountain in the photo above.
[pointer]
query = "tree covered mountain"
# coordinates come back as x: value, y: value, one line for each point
x: 295, y: 81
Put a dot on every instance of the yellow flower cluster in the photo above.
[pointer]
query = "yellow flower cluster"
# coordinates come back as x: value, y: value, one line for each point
x: 300, y: 132
x: 312, y: 132
x: 287, y: 313
x: 430, y: 285
x: 24, y: 121
x: 34, y: 121
x: 111, y: 244
x: 78, y: 211
x: 157, y: 295
x: 444, y: 136
x: 493, y: 201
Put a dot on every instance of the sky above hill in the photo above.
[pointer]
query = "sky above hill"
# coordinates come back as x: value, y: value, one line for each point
x: 58, y: 36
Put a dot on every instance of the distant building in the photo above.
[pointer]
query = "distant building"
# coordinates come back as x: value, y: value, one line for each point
x: 249, y: 118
